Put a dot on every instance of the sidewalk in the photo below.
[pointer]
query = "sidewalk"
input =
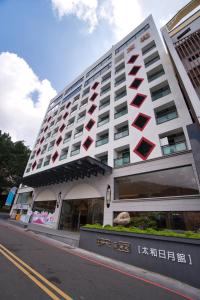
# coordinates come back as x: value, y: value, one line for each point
x: 67, y: 237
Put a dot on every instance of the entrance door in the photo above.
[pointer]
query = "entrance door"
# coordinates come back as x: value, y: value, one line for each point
x: 76, y: 213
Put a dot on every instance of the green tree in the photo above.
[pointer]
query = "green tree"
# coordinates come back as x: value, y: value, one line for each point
x: 13, y: 160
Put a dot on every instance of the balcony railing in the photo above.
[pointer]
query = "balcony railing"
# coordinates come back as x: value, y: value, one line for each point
x: 75, y: 152
x: 148, y: 49
x: 119, y: 69
x: 121, y: 134
x: 39, y: 166
x: 160, y: 93
x: 120, y: 81
x: 104, y: 105
x: 78, y: 134
x: 118, y: 162
x: 121, y: 95
x: 156, y: 75
x: 43, y: 151
x: 105, y: 91
x: 150, y: 62
x: 83, y: 104
x: 46, y: 163
x: 50, y: 147
x: 63, y: 156
x: 70, y: 124
x: 102, y: 142
x: 170, y: 149
x: 67, y: 140
x: 101, y: 123
x: 167, y: 117
x: 81, y: 119
x: 105, y: 79
x: 121, y: 113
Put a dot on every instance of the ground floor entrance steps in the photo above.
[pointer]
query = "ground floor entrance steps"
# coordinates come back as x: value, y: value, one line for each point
x: 67, y: 237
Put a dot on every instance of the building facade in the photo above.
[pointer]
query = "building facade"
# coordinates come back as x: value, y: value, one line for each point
x: 182, y: 38
x: 118, y: 132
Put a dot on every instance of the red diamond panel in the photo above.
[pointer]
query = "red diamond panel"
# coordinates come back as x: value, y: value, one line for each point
x: 138, y: 100
x: 58, y: 140
x: 45, y: 128
x: 95, y: 85
x: 34, y: 165
x: 54, y: 156
x: 68, y: 104
x: 38, y: 151
x: 134, y: 70
x: 144, y: 148
x: 92, y: 109
x: 93, y: 97
x: 62, y: 127
x: 136, y: 83
x: 141, y: 121
x: 90, y: 124
x: 65, y: 115
x: 132, y: 59
x: 88, y: 142
x: 42, y: 140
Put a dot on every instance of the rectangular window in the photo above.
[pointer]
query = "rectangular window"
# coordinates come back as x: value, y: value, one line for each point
x: 166, y: 114
x: 120, y: 93
x: 155, y: 73
x: 104, y: 102
x: 151, y: 59
x: 160, y: 90
x: 148, y: 47
x: 63, y: 154
x: 163, y: 183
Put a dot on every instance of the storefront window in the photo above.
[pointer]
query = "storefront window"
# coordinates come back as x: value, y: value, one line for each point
x: 43, y: 213
x: 24, y: 198
x: 170, y: 182
x: 48, y: 206
x: 176, y: 220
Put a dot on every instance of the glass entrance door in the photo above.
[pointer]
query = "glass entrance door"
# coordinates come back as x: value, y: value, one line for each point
x: 76, y: 213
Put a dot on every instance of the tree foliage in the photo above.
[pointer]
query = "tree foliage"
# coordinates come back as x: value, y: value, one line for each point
x: 13, y: 160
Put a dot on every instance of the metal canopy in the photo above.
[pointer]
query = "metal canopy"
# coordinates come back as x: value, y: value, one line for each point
x: 80, y: 168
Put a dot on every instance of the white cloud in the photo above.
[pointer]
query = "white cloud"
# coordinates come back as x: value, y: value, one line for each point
x: 20, y: 116
x: 122, y: 16
x: 84, y: 10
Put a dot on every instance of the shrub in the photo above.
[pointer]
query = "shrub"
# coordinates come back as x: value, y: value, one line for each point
x: 185, y: 234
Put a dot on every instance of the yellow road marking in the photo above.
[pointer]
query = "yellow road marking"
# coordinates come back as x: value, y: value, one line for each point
x: 42, y: 278
x: 46, y: 290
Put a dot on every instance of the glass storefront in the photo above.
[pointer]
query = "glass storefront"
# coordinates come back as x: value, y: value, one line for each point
x: 163, y: 183
x: 48, y: 206
x: 24, y: 198
x: 43, y: 213
x: 76, y: 213
x: 179, y: 220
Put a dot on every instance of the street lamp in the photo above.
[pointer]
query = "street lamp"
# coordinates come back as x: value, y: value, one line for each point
x: 108, y: 196
x: 59, y: 199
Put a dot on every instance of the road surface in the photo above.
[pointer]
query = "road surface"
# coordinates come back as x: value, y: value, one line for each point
x: 33, y: 268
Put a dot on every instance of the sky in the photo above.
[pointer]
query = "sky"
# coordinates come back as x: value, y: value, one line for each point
x: 45, y: 44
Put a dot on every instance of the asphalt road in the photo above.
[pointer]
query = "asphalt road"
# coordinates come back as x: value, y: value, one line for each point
x: 78, y: 278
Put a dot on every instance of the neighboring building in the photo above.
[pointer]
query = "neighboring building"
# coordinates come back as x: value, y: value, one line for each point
x: 22, y: 203
x: 182, y: 37
x: 119, y: 126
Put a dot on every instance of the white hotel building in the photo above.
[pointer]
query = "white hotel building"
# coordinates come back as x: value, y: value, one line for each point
x: 121, y: 124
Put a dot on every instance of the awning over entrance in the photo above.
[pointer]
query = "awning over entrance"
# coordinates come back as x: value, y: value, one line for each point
x: 80, y: 168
